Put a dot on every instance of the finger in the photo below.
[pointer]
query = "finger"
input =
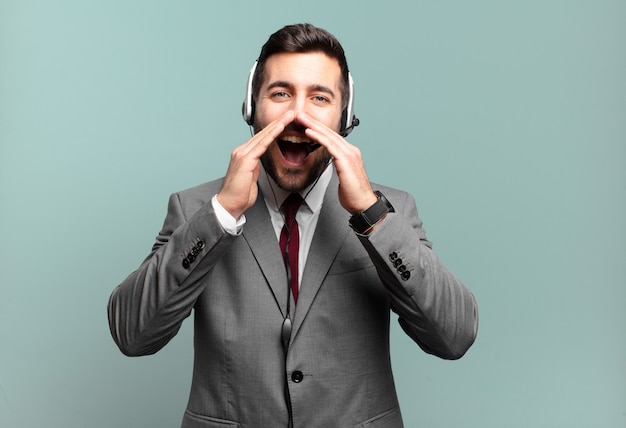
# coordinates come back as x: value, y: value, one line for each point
x: 324, y: 135
x: 347, y: 156
x: 336, y: 146
x: 262, y: 139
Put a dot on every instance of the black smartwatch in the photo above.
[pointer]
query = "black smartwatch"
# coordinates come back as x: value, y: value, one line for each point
x: 362, y: 221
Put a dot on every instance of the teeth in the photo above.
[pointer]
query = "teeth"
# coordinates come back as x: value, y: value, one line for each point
x: 295, y: 139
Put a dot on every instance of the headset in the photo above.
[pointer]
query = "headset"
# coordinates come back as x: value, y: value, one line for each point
x: 348, y: 120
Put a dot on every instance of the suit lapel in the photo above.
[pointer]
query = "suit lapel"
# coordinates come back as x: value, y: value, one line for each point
x: 259, y: 234
x: 332, y: 228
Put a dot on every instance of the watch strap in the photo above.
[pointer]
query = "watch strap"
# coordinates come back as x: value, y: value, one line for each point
x: 364, y: 220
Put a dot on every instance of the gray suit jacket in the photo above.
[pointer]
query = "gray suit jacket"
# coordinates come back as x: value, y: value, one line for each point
x: 337, y: 370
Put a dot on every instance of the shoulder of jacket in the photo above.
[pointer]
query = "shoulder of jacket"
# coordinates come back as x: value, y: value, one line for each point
x: 207, y: 189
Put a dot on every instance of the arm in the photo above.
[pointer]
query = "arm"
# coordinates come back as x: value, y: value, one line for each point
x: 147, y: 309
x: 436, y: 310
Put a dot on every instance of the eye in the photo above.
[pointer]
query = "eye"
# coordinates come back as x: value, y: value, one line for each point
x: 321, y: 99
x: 280, y: 94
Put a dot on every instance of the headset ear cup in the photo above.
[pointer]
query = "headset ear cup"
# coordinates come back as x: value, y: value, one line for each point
x: 244, y: 109
x: 348, y: 119
x: 343, y: 131
x: 250, y: 120
x: 247, y: 109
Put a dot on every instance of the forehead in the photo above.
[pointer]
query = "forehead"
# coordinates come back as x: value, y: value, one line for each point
x: 310, y: 68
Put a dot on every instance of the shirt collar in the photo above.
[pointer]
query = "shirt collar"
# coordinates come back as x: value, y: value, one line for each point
x: 313, y: 195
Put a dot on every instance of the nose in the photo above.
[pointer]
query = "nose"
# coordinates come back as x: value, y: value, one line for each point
x: 299, y: 104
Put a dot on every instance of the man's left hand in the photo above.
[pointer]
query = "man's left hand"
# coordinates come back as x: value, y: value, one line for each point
x: 355, y: 192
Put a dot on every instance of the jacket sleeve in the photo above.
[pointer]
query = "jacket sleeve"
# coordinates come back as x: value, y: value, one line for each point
x: 436, y: 310
x: 147, y: 309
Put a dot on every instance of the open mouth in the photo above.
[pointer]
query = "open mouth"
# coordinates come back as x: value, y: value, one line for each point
x: 296, y: 150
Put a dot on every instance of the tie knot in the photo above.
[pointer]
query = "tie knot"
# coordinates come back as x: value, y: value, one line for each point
x: 291, y: 205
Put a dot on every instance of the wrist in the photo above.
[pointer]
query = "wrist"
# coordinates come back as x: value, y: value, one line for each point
x: 223, y: 202
x: 366, y: 203
x: 364, y: 221
x: 230, y: 224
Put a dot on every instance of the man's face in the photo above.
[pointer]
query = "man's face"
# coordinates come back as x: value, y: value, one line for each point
x: 305, y: 83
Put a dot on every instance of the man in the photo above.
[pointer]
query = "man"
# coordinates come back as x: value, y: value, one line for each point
x: 318, y: 355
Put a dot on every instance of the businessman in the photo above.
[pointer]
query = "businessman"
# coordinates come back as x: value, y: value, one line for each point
x: 292, y: 263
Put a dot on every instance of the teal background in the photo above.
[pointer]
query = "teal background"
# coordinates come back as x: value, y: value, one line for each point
x: 506, y: 120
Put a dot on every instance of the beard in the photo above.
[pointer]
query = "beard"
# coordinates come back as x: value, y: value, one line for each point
x: 292, y: 179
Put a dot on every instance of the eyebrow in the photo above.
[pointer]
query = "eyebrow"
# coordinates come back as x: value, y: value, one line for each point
x: 314, y: 87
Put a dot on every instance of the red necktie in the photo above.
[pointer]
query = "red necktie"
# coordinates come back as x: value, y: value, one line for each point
x: 290, y: 240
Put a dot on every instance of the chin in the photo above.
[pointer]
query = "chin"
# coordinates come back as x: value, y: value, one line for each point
x: 292, y: 182
x: 294, y: 179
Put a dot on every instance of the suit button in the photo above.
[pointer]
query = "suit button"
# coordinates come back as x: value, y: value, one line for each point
x: 297, y: 376
x: 200, y: 245
x: 397, y: 262
x: 393, y: 256
x: 406, y: 275
x: 186, y: 263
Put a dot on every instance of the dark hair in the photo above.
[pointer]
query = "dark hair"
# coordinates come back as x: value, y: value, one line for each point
x: 302, y: 38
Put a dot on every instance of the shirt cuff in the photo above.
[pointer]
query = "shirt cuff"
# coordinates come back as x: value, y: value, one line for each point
x: 231, y: 225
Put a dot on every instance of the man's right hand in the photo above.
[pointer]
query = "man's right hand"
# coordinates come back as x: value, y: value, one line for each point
x: 239, y: 190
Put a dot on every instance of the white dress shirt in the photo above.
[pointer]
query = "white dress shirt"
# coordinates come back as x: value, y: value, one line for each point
x: 274, y: 196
